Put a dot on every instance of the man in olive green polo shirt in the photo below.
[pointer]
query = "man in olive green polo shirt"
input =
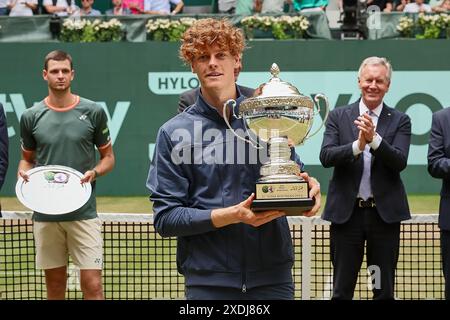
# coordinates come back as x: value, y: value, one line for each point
x: 63, y: 129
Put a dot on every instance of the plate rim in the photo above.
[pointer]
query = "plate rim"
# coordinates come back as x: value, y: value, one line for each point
x: 20, y: 182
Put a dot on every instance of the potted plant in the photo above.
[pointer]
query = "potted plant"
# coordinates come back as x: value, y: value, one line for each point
x: 83, y: 30
x: 282, y: 27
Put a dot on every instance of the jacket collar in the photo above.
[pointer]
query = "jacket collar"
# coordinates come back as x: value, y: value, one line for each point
x: 211, y: 112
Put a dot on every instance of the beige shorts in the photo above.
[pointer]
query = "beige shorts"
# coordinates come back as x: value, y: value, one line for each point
x: 81, y: 239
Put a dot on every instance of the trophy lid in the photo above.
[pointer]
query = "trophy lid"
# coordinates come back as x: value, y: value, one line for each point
x: 276, y: 93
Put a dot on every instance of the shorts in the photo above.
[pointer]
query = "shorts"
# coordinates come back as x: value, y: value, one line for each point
x: 81, y: 239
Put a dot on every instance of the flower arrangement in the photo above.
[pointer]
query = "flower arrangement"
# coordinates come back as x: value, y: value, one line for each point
x: 83, y: 30
x: 283, y: 27
x: 431, y: 26
x: 406, y: 27
x: 167, y: 30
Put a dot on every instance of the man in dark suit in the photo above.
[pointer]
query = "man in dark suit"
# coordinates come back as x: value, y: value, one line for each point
x: 3, y: 149
x: 189, y: 97
x: 439, y: 167
x: 367, y: 143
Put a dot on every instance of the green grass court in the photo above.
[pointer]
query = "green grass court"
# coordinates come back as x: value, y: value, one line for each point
x: 419, y: 204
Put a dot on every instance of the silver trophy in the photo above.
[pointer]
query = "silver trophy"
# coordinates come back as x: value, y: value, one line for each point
x: 279, y: 115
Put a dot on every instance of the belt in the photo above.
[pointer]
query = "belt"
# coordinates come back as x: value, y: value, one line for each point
x: 369, y: 203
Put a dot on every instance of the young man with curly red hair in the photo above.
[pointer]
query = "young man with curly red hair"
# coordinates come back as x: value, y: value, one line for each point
x: 202, y: 184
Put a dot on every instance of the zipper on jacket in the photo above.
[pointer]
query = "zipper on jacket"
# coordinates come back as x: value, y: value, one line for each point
x: 244, y: 261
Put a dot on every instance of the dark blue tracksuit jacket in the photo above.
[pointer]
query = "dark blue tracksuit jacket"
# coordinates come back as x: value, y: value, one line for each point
x: 183, y: 195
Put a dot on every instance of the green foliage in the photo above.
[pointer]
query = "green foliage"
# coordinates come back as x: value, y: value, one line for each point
x: 283, y: 27
x: 83, y: 30
x: 432, y: 26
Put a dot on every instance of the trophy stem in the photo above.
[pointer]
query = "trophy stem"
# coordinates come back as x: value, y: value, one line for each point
x: 280, y: 167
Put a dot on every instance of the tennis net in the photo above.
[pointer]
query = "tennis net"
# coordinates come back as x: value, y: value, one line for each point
x: 139, y: 264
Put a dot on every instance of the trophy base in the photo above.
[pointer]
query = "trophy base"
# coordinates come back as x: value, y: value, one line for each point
x: 292, y: 207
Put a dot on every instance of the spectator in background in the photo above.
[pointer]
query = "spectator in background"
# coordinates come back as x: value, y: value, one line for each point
x: 3, y: 8
x: 246, y: 7
x: 61, y: 7
x: 3, y: 149
x: 417, y: 7
x: 162, y: 6
x: 21, y: 8
x: 118, y: 9
x: 443, y: 7
x: 227, y: 6
x: 310, y: 5
x: 87, y: 10
x: 401, y: 4
x: 135, y: 6
x: 439, y: 167
x: 384, y: 5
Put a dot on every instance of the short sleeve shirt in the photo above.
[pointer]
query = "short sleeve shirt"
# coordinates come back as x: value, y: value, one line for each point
x: 66, y: 138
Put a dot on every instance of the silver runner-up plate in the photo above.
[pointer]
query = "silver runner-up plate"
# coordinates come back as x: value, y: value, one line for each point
x: 53, y: 190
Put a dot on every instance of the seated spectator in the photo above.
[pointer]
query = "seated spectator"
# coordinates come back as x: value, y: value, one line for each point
x: 21, y: 8
x: 61, y: 7
x: 87, y: 10
x: 247, y: 7
x: 417, y: 7
x: 135, y: 6
x: 227, y: 6
x: 384, y: 5
x: 401, y: 4
x: 3, y: 7
x: 310, y: 5
x: 443, y: 7
x: 118, y: 9
x: 270, y: 6
x: 162, y: 6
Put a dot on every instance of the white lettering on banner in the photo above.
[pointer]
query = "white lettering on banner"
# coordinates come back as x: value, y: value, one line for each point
x: 115, y: 122
x: 16, y: 105
x: 166, y: 83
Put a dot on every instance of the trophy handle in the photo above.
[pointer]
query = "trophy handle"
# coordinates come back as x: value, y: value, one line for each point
x: 327, y: 110
x: 232, y: 104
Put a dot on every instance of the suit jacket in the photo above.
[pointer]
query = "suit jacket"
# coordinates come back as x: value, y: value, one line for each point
x: 388, y: 161
x: 3, y: 146
x: 439, y: 161
x: 189, y: 97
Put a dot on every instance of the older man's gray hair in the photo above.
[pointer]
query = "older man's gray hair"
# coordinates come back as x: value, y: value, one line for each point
x: 376, y: 61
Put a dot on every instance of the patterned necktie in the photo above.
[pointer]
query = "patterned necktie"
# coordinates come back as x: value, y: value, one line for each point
x: 365, y: 189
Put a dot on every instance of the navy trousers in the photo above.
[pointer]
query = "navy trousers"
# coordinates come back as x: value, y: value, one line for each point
x: 347, y: 240
x: 283, y: 291
x: 445, y: 254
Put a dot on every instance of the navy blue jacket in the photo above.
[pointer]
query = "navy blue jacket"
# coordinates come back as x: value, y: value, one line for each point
x: 3, y: 146
x: 388, y: 161
x: 439, y: 161
x: 184, y: 195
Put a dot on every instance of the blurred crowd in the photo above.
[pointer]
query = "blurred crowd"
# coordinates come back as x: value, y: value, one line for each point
x: 171, y: 7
